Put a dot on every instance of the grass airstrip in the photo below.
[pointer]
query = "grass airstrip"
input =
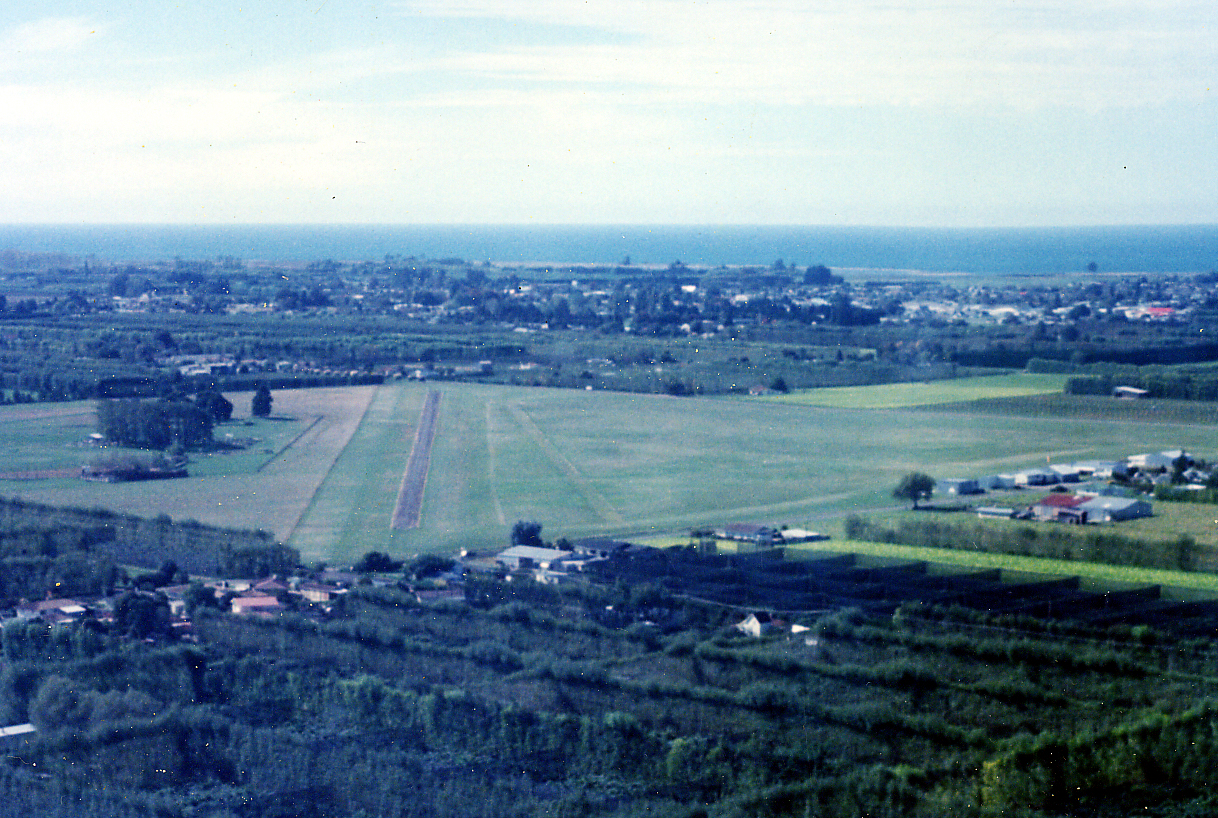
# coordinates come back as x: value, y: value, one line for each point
x: 324, y: 474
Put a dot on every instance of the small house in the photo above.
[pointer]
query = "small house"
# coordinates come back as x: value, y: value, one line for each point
x: 52, y: 611
x: 1062, y: 508
x: 260, y: 604
x: 759, y: 624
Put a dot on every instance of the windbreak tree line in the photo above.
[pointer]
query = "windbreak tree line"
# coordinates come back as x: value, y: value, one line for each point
x: 155, y: 424
x: 41, y: 545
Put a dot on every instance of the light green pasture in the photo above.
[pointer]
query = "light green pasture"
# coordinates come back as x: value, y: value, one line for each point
x: 581, y: 463
x: 594, y: 463
x: 263, y: 486
x: 901, y: 395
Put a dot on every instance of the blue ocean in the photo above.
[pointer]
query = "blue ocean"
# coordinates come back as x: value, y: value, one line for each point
x: 1009, y: 251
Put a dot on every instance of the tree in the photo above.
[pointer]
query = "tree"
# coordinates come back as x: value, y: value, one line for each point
x: 426, y: 566
x: 527, y: 532
x: 219, y: 407
x: 913, y: 487
x: 376, y: 562
x: 260, y: 404
x: 141, y: 615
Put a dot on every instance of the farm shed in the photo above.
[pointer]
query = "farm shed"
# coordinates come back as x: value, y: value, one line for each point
x: 600, y: 546
x: 1158, y: 461
x: 1036, y: 477
x: 1115, y: 509
x: 1102, y: 468
x: 790, y: 535
x: 749, y: 532
x: 959, y: 485
x: 530, y: 556
x: 1129, y: 392
x: 995, y: 512
x: 17, y: 736
x: 997, y: 481
x: 1066, y: 472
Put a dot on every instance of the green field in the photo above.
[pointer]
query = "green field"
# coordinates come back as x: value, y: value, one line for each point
x: 266, y: 485
x: 579, y: 462
x: 1176, y: 584
x: 608, y: 463
x: 904, y: 395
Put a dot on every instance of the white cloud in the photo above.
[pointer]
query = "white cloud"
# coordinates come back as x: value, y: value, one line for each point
x: 966, y: 52
x: 48, y: 35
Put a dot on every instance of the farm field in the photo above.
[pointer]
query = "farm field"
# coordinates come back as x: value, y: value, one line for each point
x: 585, y: 463
x: 325, y: 477
x: 265, y: 486
x: 905, y: 395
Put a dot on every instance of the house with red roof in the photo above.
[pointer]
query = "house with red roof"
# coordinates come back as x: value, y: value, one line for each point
x: 1061, y: 508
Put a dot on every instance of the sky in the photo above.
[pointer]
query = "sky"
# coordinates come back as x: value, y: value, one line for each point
x: 835, y: 112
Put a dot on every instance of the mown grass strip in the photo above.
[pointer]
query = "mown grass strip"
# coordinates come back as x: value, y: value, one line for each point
x: 905, y: 395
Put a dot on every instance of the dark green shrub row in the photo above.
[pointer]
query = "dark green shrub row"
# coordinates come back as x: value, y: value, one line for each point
x: 1058, y: 542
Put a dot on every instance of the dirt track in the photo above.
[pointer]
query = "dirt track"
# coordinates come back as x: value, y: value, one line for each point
x: 40, y: 474
x: 409, y: 508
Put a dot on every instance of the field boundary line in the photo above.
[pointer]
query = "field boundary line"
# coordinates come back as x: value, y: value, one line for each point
x: 408, y: 510
x: 289, y: 444
x: 591, y: 496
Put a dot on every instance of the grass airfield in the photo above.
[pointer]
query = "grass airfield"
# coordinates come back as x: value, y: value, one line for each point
x: 325, y: 476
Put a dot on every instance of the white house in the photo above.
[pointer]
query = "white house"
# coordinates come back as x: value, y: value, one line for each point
x: 759, y: 624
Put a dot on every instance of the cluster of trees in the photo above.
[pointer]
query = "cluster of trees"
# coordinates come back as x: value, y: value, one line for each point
x: 1191, y: 383
x: 156, y: 423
